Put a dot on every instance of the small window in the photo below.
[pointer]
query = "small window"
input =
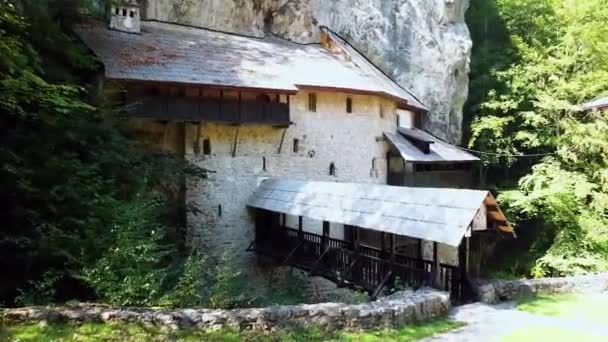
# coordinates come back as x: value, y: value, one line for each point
x: 296, y: 145
x: 381, y: 111
x: 206, y: 147
x: 349, y: 105
x: 124, y: 12
x: 117, y: 11
x: 264, y: 163
x: 332, y: 169
x: 312, y: 102
x: 219, y: 210
x: 132, y: 14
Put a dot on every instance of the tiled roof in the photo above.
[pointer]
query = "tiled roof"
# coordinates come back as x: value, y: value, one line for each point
x: 440, y: 151
x: 178, y: 54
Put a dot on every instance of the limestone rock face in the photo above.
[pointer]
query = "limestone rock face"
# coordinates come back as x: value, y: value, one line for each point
x: 423, y: 44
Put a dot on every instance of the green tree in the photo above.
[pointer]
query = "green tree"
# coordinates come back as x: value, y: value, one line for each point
x: 86, y: 211
x: 560, y: 48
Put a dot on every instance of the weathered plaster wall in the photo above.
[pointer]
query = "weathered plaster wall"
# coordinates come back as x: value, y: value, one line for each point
x: 395, y: 310
x: 352, y: 141
x: 423, y: 44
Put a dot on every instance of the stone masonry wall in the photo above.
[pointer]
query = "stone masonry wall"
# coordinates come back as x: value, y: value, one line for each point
x: 495, y: 291
x: 398, y: 309
x: 352, y: 141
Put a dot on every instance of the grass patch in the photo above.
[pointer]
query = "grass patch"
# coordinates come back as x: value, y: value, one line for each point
x: 34, y: 332
x: 553, y: 334
x: 590, y: 307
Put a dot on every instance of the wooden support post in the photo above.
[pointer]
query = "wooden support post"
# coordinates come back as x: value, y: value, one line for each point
x: 240, y: 119
x: 392, y: 249
x: 282, y: 141
x: 197, y: 141
x: 165, y: 135
x: 436, y: 275
x: 283, y: 221
x: 383, y: 245
x: 356, y: 240
x: 325, y: 236
x: 300, y: 228
x: 236, y: 140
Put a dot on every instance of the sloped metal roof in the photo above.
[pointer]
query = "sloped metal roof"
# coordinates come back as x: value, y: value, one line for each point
x: 441, y: 215
x: 172, y: 53
x: 361, y: 61
x: 440, y: 151
x: 597, y: 104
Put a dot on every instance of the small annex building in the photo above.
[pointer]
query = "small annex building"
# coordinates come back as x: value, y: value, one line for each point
x: 319, y: 159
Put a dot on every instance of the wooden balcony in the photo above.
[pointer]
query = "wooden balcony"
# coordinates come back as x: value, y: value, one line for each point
x: 183, y: 109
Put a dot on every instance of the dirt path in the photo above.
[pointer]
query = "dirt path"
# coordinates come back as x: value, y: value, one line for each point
x: 492, y: 322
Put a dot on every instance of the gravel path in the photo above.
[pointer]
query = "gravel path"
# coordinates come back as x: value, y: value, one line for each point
x: 491, y: 322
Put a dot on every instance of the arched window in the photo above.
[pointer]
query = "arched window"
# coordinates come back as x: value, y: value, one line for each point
x: 332, y: 169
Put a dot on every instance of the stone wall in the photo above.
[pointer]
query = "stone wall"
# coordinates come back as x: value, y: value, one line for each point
x: 398, y: 309
x: 353, y: 142
x: 495, y: 291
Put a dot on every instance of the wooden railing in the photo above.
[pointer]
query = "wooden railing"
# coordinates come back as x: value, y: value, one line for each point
x: 211, y: 110
x: 367, y: 268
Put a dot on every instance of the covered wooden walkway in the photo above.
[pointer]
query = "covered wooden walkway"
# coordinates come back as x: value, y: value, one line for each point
x: 354, y: 207
x: 351, y: 263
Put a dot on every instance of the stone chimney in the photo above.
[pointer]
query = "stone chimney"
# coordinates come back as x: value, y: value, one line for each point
x: 126, y: 16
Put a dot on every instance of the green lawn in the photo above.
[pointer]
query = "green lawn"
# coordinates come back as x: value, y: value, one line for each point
x: 133, y: 332
x: 552, y: 334
x: 584, y: 307
x: 591, y: 307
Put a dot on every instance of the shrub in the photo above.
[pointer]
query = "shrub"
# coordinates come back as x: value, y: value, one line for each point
x: 132, y: 270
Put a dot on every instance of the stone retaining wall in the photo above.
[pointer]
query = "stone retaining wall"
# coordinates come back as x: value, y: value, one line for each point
x: 494, y: 291
x: 394, y: 310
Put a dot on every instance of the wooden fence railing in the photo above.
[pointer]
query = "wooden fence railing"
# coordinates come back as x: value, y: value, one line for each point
x: 367, y: 268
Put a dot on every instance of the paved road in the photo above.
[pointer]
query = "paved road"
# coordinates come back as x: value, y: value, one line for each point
x: 492, y: 322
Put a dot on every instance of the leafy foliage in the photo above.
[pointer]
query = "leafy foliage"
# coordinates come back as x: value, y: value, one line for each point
x: 557, y: 50
x: 87, y: 211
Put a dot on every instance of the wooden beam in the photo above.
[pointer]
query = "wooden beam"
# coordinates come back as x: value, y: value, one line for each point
x: 197, y: 141
x: 300, y: 228
x: 379, y: 288
x: 292, y: 253
x: 436, y: 280
x: 236, y: 140
x: 282, y: 141
x: 496, y: 216
x: 392, y: 248
x: 318, y: 261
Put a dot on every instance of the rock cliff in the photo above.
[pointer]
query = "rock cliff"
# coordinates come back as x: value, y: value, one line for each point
x: 423, y: 44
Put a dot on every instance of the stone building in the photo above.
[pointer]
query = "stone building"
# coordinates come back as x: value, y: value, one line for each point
x: 251, y: 108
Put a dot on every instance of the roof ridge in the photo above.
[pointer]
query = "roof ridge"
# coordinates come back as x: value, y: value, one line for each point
x: 324, y: 27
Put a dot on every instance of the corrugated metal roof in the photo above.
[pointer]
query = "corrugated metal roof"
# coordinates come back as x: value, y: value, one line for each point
x: 172, y: 53
x: 599, y: 103
x: 440, y: 151
x: 441, y: 215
